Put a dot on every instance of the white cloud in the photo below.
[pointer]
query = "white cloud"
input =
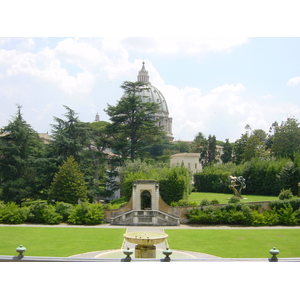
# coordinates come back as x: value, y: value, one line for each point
x: 293, y: 81
x: 267, y: 97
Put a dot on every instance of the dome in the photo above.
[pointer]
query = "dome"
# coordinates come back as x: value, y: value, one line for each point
x: 152, y: 94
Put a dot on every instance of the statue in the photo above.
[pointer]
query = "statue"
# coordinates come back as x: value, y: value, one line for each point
x: 237, y: 184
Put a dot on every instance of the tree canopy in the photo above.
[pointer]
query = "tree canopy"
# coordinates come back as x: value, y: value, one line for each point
x: 133, y: 126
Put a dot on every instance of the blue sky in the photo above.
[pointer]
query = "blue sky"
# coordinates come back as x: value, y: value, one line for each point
x: 212, y: 85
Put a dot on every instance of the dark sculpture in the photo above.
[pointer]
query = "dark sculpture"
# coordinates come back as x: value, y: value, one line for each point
x: 237, y: 184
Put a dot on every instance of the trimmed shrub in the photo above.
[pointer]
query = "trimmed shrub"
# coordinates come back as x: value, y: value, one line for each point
x: 64, y: 209
x: 214, y: 202
x: 51, y: 216
x: 285, y: 194
x: 183, y: 202
x: 11, y: 213
x: 258, y: 219
x: 234, y: 199
x: 271, y: 217
x: 36, y: 212
x: 287, y: 216
x: 204, y: 202
x: 234, y: 217
x: 87, y: 214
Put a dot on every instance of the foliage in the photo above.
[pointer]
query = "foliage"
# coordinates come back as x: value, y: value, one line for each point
x: 11, y: 213
x: 20, y: 147
x: 207, y: 149
x: 263, y: 177
x: 234, y: 199
x: 68, y: 184
x: 227, y: 152
x: 68, y: 137
x: 286, y: 140
x: 285, y: 194
x: 183, y: 202
x: 133, y: 126
x: 36, y: 212
x: 271, y: 217
x: 287, y: 216
x: 63, y: 209
x: 41, y: 212
x: 50, y: 215
x: 174, y: 181
x: 204, y: 202
x: 116, y: 203
x: 87, y: 214
x: 214, y: 201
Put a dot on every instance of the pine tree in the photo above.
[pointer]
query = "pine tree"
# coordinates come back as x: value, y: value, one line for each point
x: 68, y: 184
x: 133, y: 122
x: 20, y: 146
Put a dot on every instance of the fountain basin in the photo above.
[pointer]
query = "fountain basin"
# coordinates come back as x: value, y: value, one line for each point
x: 145, y: 238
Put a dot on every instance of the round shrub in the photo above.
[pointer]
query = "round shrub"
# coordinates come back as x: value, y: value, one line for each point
x: 36, y: 212
x: 204, y: 202
x: 234, y: 199
x: 214, y: 201
x: 285, y: 194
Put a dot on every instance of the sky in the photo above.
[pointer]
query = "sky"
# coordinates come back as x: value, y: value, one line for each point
x: 216, y: 77
x: 212, y: 85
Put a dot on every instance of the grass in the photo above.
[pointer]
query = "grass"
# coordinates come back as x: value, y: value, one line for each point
x: 227, y: 243
x: 57, y: 241
x: 236, y: 243
x: 223, y: 198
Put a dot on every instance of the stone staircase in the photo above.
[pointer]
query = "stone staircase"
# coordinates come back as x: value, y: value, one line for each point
x: 145, y: 218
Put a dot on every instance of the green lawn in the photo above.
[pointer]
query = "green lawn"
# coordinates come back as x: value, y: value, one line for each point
x: 236, y: 243
x: 231, y: 243
x: 223, y: 198
x: 57, y: 241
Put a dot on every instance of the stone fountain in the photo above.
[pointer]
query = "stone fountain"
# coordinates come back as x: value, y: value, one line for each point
x: 145, y: 242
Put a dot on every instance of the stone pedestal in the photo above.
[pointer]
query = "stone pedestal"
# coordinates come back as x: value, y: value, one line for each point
x: 145, y: 251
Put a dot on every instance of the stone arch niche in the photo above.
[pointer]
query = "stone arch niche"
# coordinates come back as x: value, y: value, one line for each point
x: 145, y: 195
x: 144, y: 207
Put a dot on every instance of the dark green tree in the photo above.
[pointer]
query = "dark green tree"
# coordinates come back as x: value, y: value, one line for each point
x: 20, y: 146
x: 286, y: 141
x: 68, y: 184
x: 69, y: 137
x: 97, y: 165
x: 227, y: 152
x: 212, y: 150
x: 239, y: 148
x: 254, y: 147
x: 133, y: 125
x: 198, y: 143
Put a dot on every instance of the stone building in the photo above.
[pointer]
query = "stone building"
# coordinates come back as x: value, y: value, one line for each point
x: 152, y: 94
